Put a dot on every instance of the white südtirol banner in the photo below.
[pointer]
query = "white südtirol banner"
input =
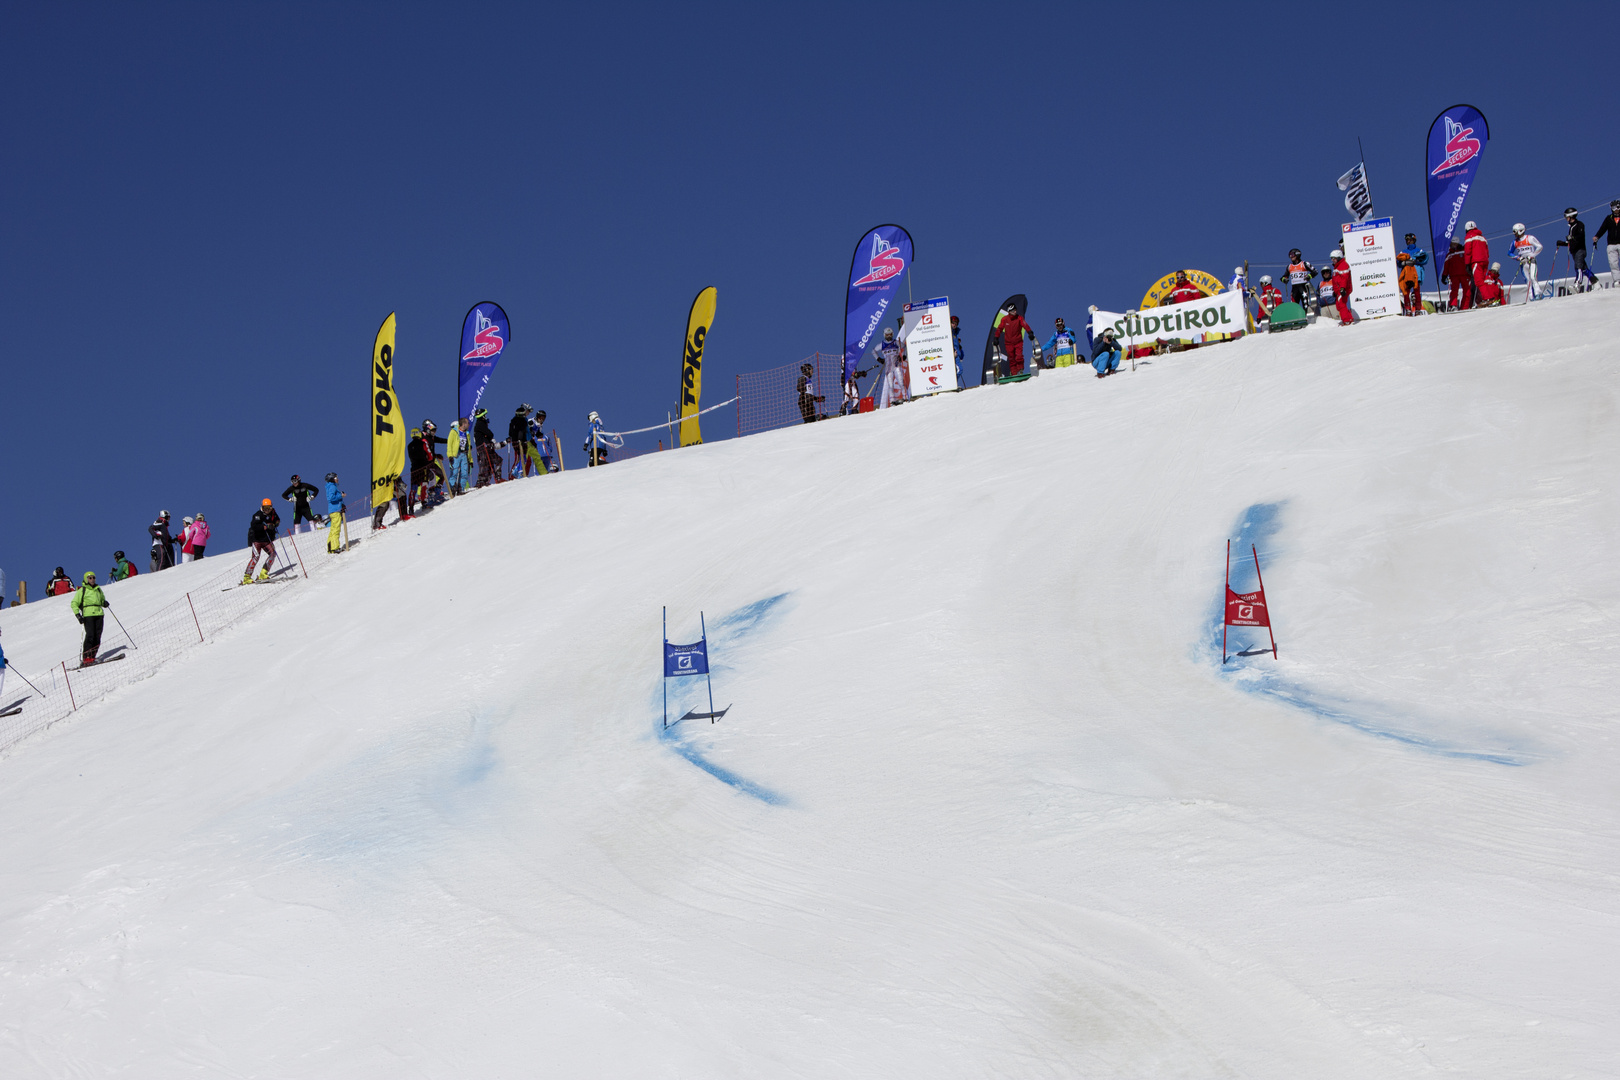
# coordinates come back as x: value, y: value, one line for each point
x: 1375, y: 287
x: 926, y: 336
x: 1195, y: 321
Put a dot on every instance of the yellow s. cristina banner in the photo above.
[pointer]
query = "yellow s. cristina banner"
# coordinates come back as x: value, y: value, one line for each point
x: 387, y: 428
x: 697, y: 330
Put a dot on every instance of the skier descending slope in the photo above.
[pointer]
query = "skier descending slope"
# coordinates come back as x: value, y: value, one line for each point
x: 88, y: 605
x: 1525, y: 248
x: 261, y: 537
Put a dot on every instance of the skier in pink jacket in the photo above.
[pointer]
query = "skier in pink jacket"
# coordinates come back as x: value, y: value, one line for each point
x: 198, y: 534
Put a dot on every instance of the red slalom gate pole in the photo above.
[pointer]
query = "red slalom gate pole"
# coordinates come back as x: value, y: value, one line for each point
x: 69, y: 682
x: 194, y: 618
x: 294, y: 541
x: 1224, y: 595
x: 1262, y: 582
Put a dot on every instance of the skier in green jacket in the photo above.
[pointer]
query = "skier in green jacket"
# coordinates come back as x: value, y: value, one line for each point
x: 122, y: 567
x: 89, y: 605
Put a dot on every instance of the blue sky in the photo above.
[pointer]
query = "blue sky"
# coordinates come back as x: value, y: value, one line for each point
x: 207, y: 210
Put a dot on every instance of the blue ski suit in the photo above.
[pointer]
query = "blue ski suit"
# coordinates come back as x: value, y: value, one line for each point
x: 1420, y: 259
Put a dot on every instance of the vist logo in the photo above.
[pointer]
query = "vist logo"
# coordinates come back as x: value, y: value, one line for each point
x: 486, y: 338
x: 1461, y: 146
x: 884, y: 263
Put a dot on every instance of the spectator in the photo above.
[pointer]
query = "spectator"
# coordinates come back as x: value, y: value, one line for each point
x: 1324, y: 291
x: 1576, y: 242
x: 299, y: 493
x: 1455, y: 272
x: 1183, y: 291
x: 88, y: 605
x: 1491, y: 293
x: 539, y: 446
x: 1411, y: 280
x: 1610, y: 229
x: 1477, y: 253
x: 1105, y: 354
x: 457, y: 448
x: 1012, y: 330
x: 517, y: 437
x: 162, y: 542
x: 185, y: 540
x: 1525, y: 249
x: 122, y: 568
x: 1420, y: 259
x: 336, y: 510
x: 484, y: 444
x: 434, y: 481
x: 418, y: 459
x: 956, y: 347
x: 1269, y: 298
x: 808, y: 399
x: 199, y: 536
x: 1063, y: 346
x: 1341, y: 288
x: 595, y: 449
x: 59, y: 584
x: 261, y: 538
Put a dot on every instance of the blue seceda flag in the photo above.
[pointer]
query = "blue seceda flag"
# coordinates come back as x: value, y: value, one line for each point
x: 881, y: 260
x: 1457, y: 140
x: 484, y: 334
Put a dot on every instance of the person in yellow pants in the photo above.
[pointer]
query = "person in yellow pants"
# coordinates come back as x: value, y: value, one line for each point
x: 335, y: 509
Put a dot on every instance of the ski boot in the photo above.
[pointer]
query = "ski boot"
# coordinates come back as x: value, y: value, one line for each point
x: 247, y: 578
x: 264, y: 575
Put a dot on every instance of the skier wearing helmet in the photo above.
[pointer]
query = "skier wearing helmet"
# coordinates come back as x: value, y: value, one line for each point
x: 261, y: 539
x: 1525, y: 248
x: 1420, y: 259
x: 1011, y: 330
x: 1610, y: 230
x: 517, y: 437
x: 1300, y: 274
x: 335, y: 511
x: 484, y: 444
x: 162, y: 542
x: 1341, y: 288
x: 595, y: 451
x: 956, y: 347
x: 1063, y: 346
x: 891, y: 384
x: 1576, y: 242
x: 1477, y: 254
x: 1269, y: 297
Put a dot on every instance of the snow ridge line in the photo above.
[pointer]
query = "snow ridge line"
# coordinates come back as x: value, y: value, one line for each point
x: 164, y: 635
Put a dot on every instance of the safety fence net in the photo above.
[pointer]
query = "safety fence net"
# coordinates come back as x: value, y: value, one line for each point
x: 771, y: 399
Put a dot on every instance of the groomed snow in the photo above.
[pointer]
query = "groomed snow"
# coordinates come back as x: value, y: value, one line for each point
x: 987, y: 803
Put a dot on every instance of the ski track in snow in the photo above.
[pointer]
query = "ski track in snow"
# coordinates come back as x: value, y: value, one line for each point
x: 729, y: 630
x: 1258, y: 525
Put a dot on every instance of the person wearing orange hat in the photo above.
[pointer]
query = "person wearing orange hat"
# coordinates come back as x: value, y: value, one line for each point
x: 261, y: 538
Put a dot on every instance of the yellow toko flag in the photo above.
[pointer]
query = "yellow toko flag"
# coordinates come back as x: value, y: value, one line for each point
x: 387, y: 425
x: 697, y: 331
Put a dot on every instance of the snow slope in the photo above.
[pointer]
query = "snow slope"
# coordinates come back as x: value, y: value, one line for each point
x: 987, y: 802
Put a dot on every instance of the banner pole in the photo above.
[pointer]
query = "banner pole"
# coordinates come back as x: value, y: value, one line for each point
x: 1262, y: 582
x: 707, y: 676
x: 1225, y: 597
x: 664, y: 682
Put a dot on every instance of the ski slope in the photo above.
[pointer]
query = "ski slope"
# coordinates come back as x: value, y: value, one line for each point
x: 987, y: 802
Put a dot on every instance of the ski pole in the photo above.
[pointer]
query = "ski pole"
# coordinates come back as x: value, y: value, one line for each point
x: 120, y: 623
x: 24, y: 678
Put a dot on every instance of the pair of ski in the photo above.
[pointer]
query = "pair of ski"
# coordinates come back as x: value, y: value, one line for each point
x: 275, y: 578
x: 114, y: 653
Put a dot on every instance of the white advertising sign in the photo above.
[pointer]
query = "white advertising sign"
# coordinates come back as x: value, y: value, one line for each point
x: 1194, y: 321
x: 1375, y: 287
x: 926, y: 335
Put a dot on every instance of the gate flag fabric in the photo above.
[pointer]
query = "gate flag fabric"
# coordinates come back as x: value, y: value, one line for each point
x: 698, y: 321
x: 1457, y: 141
x: 686, y: 659
x: 876, y: 270
x: 1246, y: 609
x: 1357, y: 195
x: 484, y: 336
x: 387, y: 423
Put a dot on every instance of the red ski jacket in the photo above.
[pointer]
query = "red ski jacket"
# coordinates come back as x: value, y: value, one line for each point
x: 1456, y: 268
x: 1012, y: 331
x: 1270, y: 297
x: 1491, y: 287
x: 1184, y: 292
x: 1476, y: 247
x: 1341, y: 279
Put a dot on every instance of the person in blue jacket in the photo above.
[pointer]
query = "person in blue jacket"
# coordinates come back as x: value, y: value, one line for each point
x: 1420, y: 258
x: 956, y: 347
x: 335, y: 510
x: 1105, y: 354
x: 1063, y: 346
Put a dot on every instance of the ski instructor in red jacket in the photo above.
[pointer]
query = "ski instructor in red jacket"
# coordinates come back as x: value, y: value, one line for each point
x: 1341, y: 288
x: 1477, y: 250
x: 1012, y: 331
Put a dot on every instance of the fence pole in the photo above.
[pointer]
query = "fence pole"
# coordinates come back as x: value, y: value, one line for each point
x: 69, y: 682
x: 298, y: 554
x: 194, y: 618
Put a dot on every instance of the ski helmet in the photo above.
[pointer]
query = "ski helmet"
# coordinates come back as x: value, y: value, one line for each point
x: 1265, y: 279
x: 199, y: 515
x: 1411, y: 238
x: 331, y: 477
x: 264, y: 502
x: 188, y: 521
x: 1294, y: 253
x: 1469, y: 225
x: 294, y: 478
x: 416, y: 433
x: 593, y: 418
x: 1614, y: 206
x: 1092, y: 309
x: 117, y: 555
x: 1497, y: 267
x: 1238, y: 270
x: 888, y: 333
x: 479, y: 414
x: 428, y: 425
x: 89, y: 576
x: 539, y: 416
x: 1571, y: 212
x: 1518, y: 229
x: 1336, y: 254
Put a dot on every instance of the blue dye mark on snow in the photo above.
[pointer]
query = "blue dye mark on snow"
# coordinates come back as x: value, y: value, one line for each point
x: 1259, y: 526
x: 727, y: 630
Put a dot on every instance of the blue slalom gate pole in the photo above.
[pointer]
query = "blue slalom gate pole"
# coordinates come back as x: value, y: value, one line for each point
x: 663, y: 680
x: 708, y: 677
